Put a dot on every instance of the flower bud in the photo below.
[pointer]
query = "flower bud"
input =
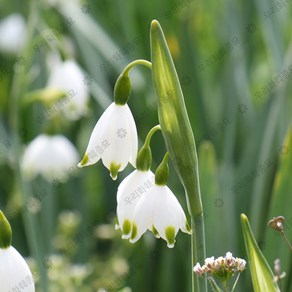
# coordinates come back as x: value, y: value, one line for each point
x: 122, y: 89
x: 144, y: 158
x: 162, y: 171
x: 5, y: 232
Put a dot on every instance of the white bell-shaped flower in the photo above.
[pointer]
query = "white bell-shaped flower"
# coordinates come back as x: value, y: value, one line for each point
x: 159, y: 211
x: 68, y: 77
x: 15, y: 274
x: 12, y: 34
x: 50, y: 156
x: 130, y: 191
x: 114, y: 140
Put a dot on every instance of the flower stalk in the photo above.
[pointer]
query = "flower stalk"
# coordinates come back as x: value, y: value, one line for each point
x: 179, y: 139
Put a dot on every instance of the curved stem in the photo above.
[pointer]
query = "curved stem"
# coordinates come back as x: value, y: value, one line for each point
x: 150, y: 134
x: 135, y: 63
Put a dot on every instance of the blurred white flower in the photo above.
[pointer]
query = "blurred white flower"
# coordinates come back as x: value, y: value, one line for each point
x: 68, y: 77
x: 14, y: 272
x: 50, y: 156
x: 114, y: 139
x: 135, y: 185
x: 12, y: 33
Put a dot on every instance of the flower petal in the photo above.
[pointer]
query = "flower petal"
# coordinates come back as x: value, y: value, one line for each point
x: 68, y: 77
x: 122, y: 135
x: 96, y: 140
x: 129, y: 194
x: 14, y: 271
x: 168, y: 215
x: 50, y: 156
x: 114, y: 140
x: 143, y: 217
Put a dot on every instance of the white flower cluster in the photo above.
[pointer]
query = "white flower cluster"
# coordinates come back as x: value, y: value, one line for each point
x: 141, y: 203
x: 222, y: 266
x: 152, y: 207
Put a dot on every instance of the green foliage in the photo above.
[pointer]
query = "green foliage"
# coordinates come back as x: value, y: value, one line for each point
x: 261, y: 273
x: 233, y: 60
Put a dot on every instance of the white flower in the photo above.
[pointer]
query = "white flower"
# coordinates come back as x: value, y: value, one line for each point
x: 159, y: 211
x: 68, y: 77
x: 198, y: 269
x: 222, y: 268
x: 113, y: 140
x: 210, y: 262
x: 12, y: 33
x: 130, y: 191
x: 240, y: 264
x: 14, y: 272
x: 50, y: 156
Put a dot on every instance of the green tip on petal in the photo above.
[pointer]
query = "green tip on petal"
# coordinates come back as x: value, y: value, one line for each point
x: 5, y: 232
x: 117, y: 224
x: 134, y: 231
x: 126, y: 229
x: 155, y: 232
x: 84, y: 161
x: 170, y: 236
x: 114, y: 169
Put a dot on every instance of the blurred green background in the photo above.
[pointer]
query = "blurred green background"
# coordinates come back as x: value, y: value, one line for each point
x: 234, y: 60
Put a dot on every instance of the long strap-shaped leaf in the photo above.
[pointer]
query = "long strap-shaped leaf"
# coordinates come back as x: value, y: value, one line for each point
x: 179, y: 139
x: 261, y: 274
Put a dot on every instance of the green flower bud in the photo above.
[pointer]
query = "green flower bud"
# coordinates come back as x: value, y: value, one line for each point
x: 5, y: 232
x: 144, y: 158
x: 122, y: 89
x: 162, y: 171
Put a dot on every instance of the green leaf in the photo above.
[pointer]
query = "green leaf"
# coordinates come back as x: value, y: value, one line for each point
x: 173, y: 118
x: 281, y: 194
x: 261, y: 274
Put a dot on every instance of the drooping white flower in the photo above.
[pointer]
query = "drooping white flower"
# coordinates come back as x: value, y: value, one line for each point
x: 15, y: 274
x: 159, y: 211
x: 50, y: 156
x: 130, y: 191
x: 68, y: 77
x: 113, y: 140
x: 12, y: 33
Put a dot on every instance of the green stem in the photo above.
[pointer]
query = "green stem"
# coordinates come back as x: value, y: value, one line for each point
x: 144, y: 158
x: 18, y: 88
x: 135, y: 63
x: 213, y: 285
x: 198, y: 250
x: 150, y: 134
x: 287, y: 240
x: 235, y: 283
